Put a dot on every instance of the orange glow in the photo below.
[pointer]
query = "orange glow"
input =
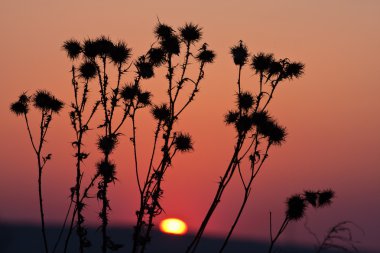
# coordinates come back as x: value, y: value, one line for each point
x: 173, y: 226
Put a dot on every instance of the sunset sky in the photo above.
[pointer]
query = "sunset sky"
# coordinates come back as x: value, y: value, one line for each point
x: 331, y: 113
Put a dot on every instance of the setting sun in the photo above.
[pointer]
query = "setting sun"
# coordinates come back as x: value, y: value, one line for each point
x: 173, y: 226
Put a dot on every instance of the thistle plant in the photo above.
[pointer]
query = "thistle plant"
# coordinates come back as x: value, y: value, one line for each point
x: 256, y: 131
x: 172, y: 46
x: 296, y: 208
x: 47, y: 105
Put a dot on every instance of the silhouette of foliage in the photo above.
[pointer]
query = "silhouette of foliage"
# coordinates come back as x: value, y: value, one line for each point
x: 46, y: 104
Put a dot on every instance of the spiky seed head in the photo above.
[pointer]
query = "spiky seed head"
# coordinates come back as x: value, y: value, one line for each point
x: 239, y: 54
x: 260, y: 118
x: 23, y: 98
x: 244, y: 123
x: 88, y: 70
x: 325, y: 198
x: 107, y: 170
x: 90, y: 49
x: 120, y: 53
x: 163, y: 31
x: 107, y: 143
x: 144, y: 68
x: 296, y: 207
x: 160, y: 113
x: 205, y: 55
x: 190, y: 33
x: 143, y: 98
x: 171, y: 45
x: 56, y: 105
x: 261, y: 62
x: 73, y: 48
x: 183, y: 142
x: 275, y: 68
x: 277, y: 134
x: 311, y: 197
x: 156, y: 56
x: 128, y: 92
x: 231, y: 117
x: 19, y: 108
x: 43, y: 100
x: 104, y: 46
x: 245, y: 100
x: 294, y: 70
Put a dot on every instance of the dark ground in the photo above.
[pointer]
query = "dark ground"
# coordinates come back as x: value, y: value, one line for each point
x: 28, y: 239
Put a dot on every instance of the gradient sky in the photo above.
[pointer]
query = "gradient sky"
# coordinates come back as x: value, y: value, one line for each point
x: 332, y: 113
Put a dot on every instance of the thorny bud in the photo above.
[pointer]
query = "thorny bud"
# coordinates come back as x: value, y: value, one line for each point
x: 239, y: 54
x: 107, y: 170
x: 120, y: 53
x: 325, y: 198
x: 156, y: 56
x: 107, y: 143
x: 73, y: 48
x: 21, y: 106
x: 261, y: 62
x: 231, y: 117
x: 128, y: 92
x: 43, y: 100
x: 295, y: 207
x: 190, y: 33
x: 88, y: 70
x: 144, y: 68
x: 171, y: 45
x: 183, y: 142
x: 205, y: 55
x: 245, y: 100
x: 161, y: 112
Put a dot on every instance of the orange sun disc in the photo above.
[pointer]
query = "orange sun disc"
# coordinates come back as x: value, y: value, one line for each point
x: 173, y: 226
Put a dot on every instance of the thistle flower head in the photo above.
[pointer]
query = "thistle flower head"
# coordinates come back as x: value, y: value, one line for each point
x: 107, y: 143
x: 239, y: 54
x: 311, y: 197
x: 104, y: 46
x: 245, y: 100
x: 325, y: 198
x: 161, y: 113
x: 73, y: 48
x: 261, y: 62
x: 190, y: 33
x: 294, y: 70
x: 90, y: 49
x: 275, y: 68
x: 244, y: 123
x: 107, y: 170
x: 143, y: 98
x: 277, y: 134
x: 43, y: 100
x: 261, y: 119
x: 171, y: 45
x: 128, y: 92
x: 205, y: 55
x: 88, y: 69
x: 163, y: 31
x: 296, y: 207
x: 120, y: 53
x: 183, y: 142
x: 231, y: 117
x: 144, y: 68
x: 21, y: 106
x: 156, y: 56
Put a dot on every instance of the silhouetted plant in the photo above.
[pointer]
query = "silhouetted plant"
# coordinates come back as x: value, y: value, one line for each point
x: 47, y: 105
x: 171, y: 44
x: 296, y: 206
x: 256, y: 131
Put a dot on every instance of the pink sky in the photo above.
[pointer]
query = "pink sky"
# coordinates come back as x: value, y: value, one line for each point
x: 331, y: 113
